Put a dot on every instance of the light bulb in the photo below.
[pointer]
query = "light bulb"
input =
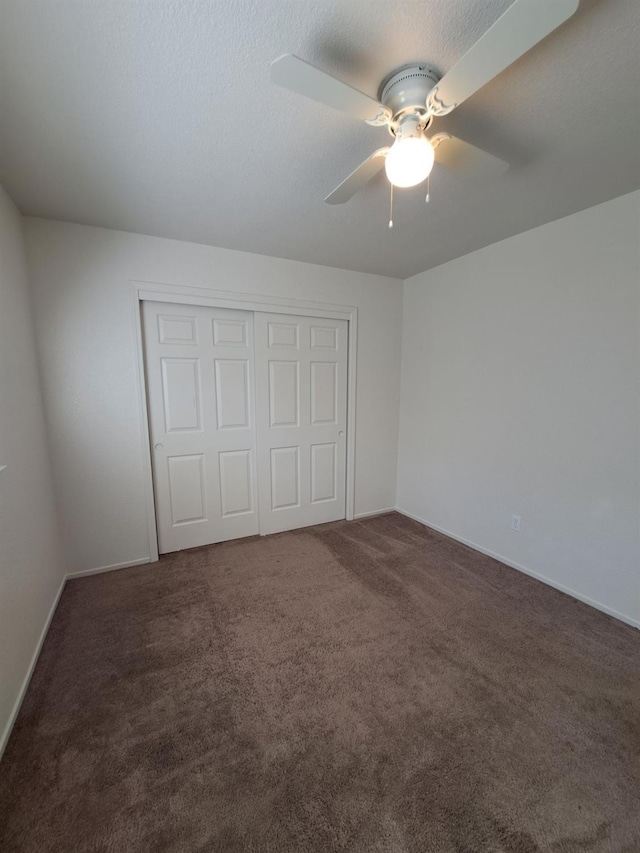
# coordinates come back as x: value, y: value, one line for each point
x: 409, y: 161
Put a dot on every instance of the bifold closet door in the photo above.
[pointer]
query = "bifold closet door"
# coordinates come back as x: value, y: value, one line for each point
x: 200, y: 370
x: 301, y: 409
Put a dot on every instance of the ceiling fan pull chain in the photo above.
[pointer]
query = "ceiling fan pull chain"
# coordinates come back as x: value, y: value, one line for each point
x: 428, y: 198
x: 391, y: 206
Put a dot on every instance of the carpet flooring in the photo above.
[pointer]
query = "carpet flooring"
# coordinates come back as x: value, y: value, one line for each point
x: 369, y: 686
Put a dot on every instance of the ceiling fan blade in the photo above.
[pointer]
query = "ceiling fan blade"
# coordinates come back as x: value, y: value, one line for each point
x: 523, y: 25
x: 298, y: 76
x: 358, y: 178
x: 465, y: 158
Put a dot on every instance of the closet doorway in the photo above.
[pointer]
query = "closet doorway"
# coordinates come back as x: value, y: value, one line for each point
x: 247, y: 414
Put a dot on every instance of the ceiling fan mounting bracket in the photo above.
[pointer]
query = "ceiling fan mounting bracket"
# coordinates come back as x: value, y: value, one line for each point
x: 436, y: 106
x: 405, y: 90
x: 382, y: 118
x: 420, y: 113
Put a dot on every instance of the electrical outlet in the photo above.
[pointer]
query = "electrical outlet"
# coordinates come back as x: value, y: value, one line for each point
x: 516, y: 523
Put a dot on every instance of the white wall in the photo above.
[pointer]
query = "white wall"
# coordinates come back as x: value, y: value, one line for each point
x: 31, y: 566
x: 85, y: 325
x: 521, y: 394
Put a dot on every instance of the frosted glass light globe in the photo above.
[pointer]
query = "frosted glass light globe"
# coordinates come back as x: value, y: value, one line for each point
x: 409, y: 162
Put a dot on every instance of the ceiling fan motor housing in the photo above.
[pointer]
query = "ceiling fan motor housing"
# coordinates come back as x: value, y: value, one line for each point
x: 406, y: 89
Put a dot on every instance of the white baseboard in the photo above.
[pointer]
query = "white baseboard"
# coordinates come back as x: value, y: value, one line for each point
x: 111, y: 568
x: 375, y: 512
x: 585, y: 599
x: 32, y: 665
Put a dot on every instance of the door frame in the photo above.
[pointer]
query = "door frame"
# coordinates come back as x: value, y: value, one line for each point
x: 210, y: 298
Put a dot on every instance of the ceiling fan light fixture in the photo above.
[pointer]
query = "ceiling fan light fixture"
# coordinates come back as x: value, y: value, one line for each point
x: 409, y: 161
x: 410, y: 158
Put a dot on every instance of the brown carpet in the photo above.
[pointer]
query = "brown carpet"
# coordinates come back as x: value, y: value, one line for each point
x: 368, y: 686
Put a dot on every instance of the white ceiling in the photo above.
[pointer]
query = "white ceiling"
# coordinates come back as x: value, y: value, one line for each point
x: 159, y: 117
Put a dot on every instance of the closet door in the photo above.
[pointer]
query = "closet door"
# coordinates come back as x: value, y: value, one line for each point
x: 199, y: 364
x: 301, y: 408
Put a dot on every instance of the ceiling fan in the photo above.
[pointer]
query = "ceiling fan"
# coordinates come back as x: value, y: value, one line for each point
x: 410, y: 98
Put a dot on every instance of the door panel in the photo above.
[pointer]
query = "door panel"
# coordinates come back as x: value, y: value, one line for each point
x: 232, y: 393
x: 230, y: 333
x: 186, y: 488
x: 324, y: 337
x: 323, y: 472
x: 177, y: 330
x: 285, y: 477
x: 324, y: 392
x: 301, y: 411
x: 200, y: 375
x: 283, y: 335
x: 235, y: 482
x: 283, y: 393
x: 181, y: 393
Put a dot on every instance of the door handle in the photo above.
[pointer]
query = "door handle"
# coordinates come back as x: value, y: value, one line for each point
x: 341, y: 433
x: 158, y: 446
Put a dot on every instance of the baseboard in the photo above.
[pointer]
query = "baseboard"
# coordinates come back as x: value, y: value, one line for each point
x: 27, y: 679
x: 513, y: 565
x: 111, y: 568
x: 375, y: 512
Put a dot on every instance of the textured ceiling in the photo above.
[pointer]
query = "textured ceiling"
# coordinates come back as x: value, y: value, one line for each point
x: 159, y: 117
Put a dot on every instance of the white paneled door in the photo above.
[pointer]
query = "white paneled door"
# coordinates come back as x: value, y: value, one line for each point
x: 301, y: 408
x: 200, y: 370
x: 247, y: 419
